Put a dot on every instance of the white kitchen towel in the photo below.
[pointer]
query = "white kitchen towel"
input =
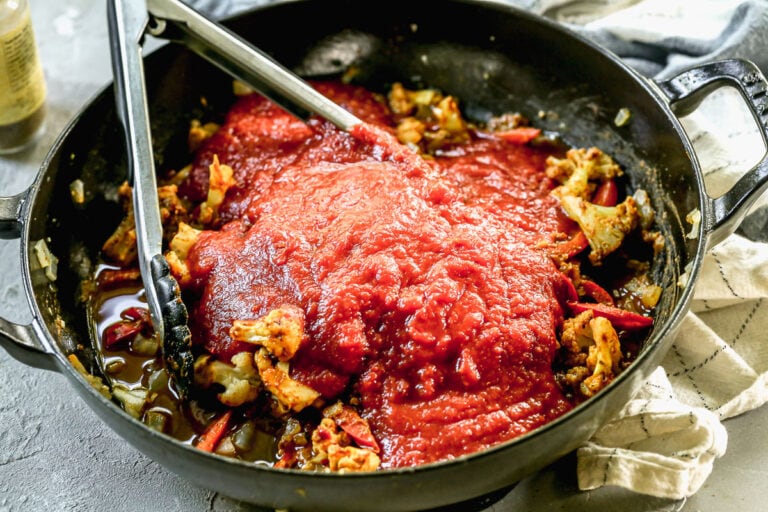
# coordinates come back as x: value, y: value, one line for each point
x: 657, y: 445
x: 665, y: 441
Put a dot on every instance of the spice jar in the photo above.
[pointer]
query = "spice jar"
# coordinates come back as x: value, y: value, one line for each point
x: 22, y: 84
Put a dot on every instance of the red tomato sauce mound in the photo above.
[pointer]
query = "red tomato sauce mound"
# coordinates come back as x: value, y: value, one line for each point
x: 422, y: 280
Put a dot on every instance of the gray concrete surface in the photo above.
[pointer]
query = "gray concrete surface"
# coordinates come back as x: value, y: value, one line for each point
x: 56, y: 455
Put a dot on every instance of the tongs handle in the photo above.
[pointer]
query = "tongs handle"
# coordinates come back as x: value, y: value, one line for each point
x: 127, y: 23
x: 245, y: 62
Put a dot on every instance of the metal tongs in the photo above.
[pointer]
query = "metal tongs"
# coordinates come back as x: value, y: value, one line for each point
x: 129, y: 22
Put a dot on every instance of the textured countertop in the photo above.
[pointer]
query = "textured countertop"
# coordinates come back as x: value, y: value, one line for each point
x: 56, y: 455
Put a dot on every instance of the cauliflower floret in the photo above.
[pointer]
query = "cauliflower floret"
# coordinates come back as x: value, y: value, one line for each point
x: 430, y: 120
x: 180, y: 245
x: 352, y: 459
x: 405, y: 102
x: 604, y: 226
x: 172, y: 209
x: 289, y: 393
x: 597, y: 337
x: 449, y: 117
x: 328, y: 443
x: 604, y: 356
x: 280, y: 331
x: 184, y: 239
x: 410, y: 131
x: 240, y: 380
x: 577, y: 336
x: 578, y: 168
x: 120, y: 247
x: 220, y: 179
x: 199, y: 133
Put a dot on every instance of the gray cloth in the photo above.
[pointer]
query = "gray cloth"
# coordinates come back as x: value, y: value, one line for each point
x: 746, y: 36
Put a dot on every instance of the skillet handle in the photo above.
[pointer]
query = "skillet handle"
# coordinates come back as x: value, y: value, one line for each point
x: 685, y: 92
x: 10, y: 213
x: 20, y: 341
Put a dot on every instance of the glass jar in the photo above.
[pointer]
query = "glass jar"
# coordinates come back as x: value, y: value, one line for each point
x: 22, y: 84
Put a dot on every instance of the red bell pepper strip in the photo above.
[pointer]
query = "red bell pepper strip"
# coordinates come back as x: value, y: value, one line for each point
x: 596, y: 292
x: 356, y: 427
x: 135, y: 313
x: 607, y: 194
x: 135, y: 320
x: 565, y: 290
x: 620, y: 318
x: 571, y: 247
x: 214, y: 432
x: 109, y: 278
x: 121, y: 331
x: 520, y: 135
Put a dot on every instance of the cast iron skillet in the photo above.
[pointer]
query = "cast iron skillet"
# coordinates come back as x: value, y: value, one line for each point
x: 493, y: 57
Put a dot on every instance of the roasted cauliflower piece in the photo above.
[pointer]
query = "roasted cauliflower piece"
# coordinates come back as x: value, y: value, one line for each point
x: 577, y: 335
x: 280, y: 331
x: 290, y: 394
x: 595, y: 337
x: 199, y: 133
x: 604, y: 356
x: 406, y: 102
x: 240, y: 379
x: 331, y: 445
x: 181, y: 243
x: 604, y: 226
x: 184, y: 239
x: 353, y: 425
x: 220, y: 179
x: 120, y: 247
x: 428, y: 119
x: 580, y: 170
x: 449, y: 117
x: 279, y: 334
x: 172, y: 209
x: 506, y: 122
x: 410, y: 131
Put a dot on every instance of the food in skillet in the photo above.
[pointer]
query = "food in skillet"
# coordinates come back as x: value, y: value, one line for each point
x: 358, y: 303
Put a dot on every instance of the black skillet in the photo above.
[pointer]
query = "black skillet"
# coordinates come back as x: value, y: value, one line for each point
x: 495, y: 58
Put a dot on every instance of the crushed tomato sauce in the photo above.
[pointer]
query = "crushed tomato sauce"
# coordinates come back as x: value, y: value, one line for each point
x: 424, y: 285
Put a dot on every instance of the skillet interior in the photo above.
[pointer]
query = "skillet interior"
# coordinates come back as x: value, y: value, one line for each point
x: 495, y: 59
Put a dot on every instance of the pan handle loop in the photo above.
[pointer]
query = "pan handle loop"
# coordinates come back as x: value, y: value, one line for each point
x: 24, y: 345
x: 10, y: 213
x: 685, y: 92
x: 20, y: 341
